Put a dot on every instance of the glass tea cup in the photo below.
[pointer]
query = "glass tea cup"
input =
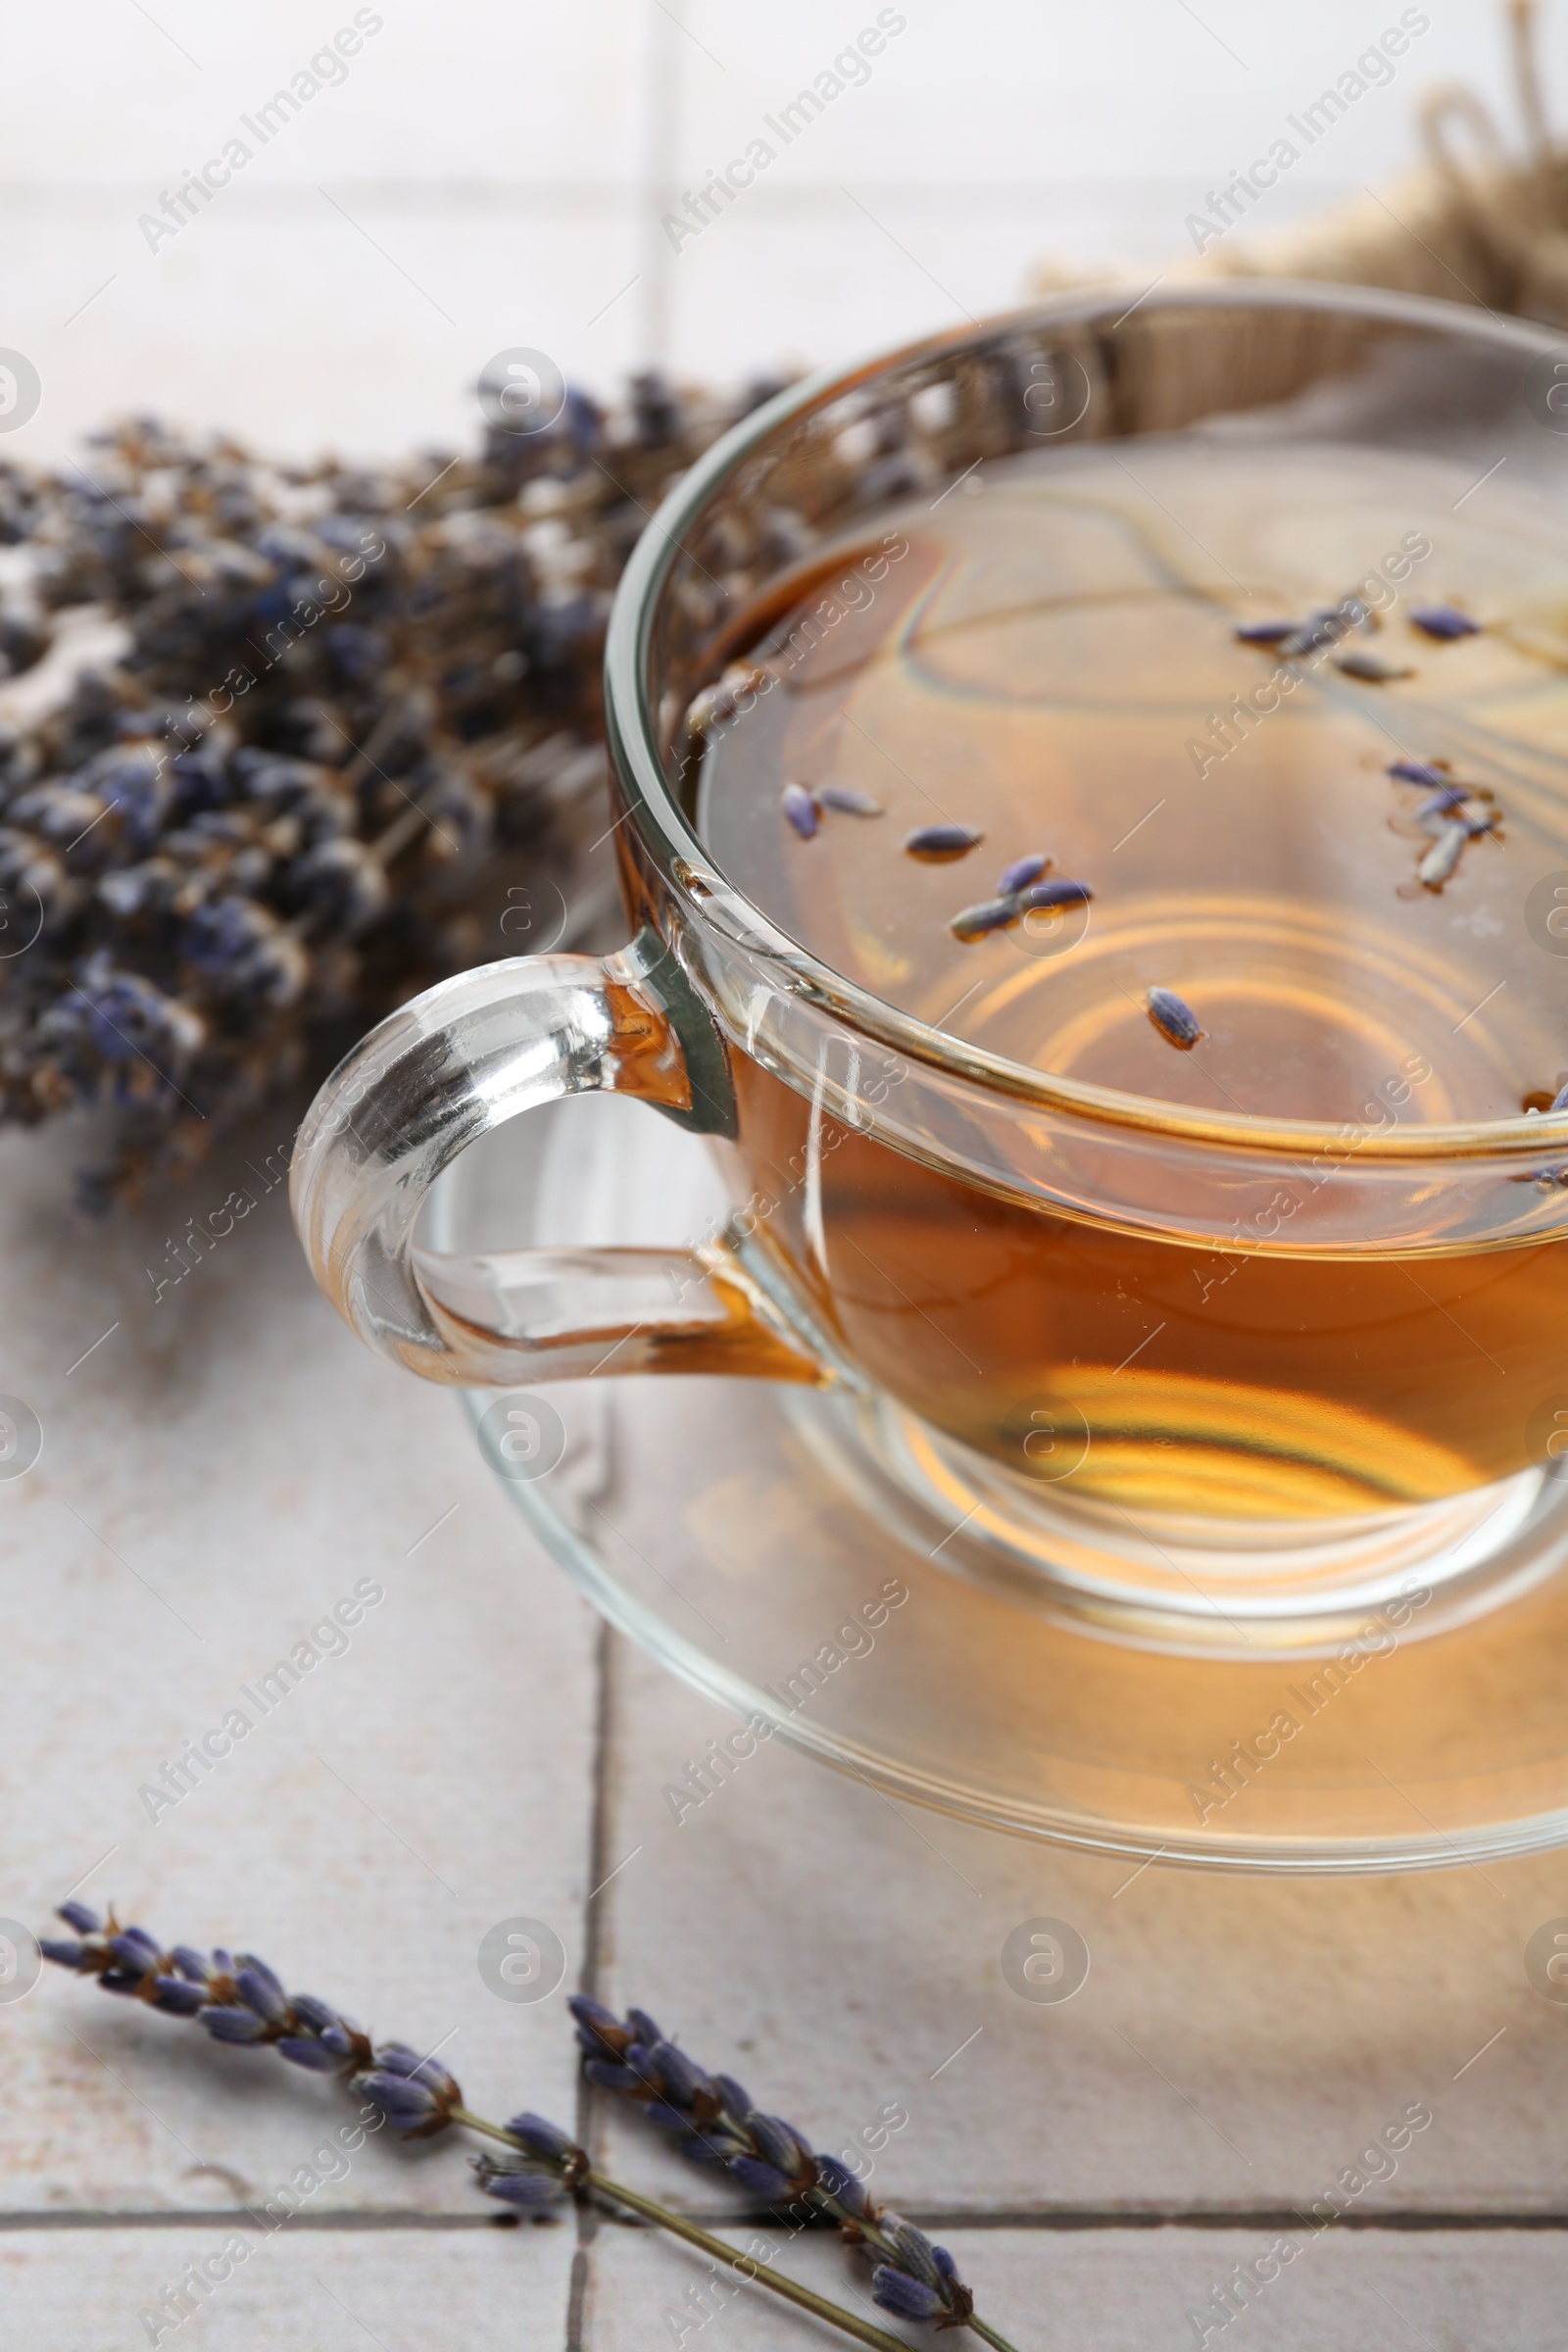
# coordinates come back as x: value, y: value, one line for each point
x: 1355, y: 1396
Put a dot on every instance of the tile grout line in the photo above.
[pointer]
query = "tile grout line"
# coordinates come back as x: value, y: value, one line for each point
x: 393, y: 2220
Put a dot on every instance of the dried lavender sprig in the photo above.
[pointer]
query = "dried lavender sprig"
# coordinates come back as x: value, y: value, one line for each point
x: 713, y: 2122
x: 239, y: 1998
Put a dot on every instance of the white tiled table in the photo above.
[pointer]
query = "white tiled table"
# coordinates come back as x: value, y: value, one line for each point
x: 228, y: 1462
x: 225, y: 1465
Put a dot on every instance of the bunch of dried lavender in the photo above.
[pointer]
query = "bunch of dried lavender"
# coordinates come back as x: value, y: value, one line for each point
x: 240, y: 2000
x: 274, y: 741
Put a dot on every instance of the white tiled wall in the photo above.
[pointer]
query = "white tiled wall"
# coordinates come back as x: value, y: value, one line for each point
x: 492, y: 172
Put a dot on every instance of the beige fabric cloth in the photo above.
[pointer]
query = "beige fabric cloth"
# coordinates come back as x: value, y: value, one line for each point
x: 1476, y: 222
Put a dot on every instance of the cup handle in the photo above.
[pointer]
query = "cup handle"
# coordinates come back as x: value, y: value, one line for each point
x: 462, y: 1060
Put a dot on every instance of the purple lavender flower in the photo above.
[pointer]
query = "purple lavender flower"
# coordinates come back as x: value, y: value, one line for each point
x: 315, y: 2055
x: 242, y: 2002
x: 66, y: 1951
x: 398, y: 2098
x: 547, y: 2166
x: 836, y: 2179
x: 600, y: 2033
x: 1020, y: 873
x: 1444, y: 622
x: 543, y: 2138
x: 517, y: 2184
x: 177, y: 1996
x: 909, y: 2299
x: 765, y: 2182
x: 1060, y: 893
x: 235, y: 2024
x: 716, y: 2124
x: 259, y: 1989
x: 736, y: 2100
x: 778, y: 2141
x: 682, y: 2081
x: 416, y: 2092
x: 134, y: 1949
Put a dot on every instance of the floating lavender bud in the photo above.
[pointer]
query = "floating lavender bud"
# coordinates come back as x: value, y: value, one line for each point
x: 1445, y: 621
x: 1175, y: 1020
x: 1020, y: 873
x: 715, y: 704
x: 1444, y: 855
x: 1559, y: 1101
x: 1264, y: 632
x: 79, y: 1916
x: 991, y: 915
x: 801, y: 809
x: 65, y: 1952
x: 937, y: 844
x: 778, y: 2141
x: 845, y: 801
x: 1370, y: 668
x: 1419, y: 771
x: 1042, y: 897
x: 836, y: 2180
x: 315, y: 2055
x: 908, y: 2298
x: 1444, y: 803
x: 260, y: 1989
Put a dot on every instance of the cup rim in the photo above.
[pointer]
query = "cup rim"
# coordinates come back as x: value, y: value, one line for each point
x: 694, y: 879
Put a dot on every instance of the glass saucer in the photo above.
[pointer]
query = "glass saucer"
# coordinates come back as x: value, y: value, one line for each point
x: 732, y: 1529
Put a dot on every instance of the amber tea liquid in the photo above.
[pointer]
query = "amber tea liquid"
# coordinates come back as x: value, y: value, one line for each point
x: 1048, y: 658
